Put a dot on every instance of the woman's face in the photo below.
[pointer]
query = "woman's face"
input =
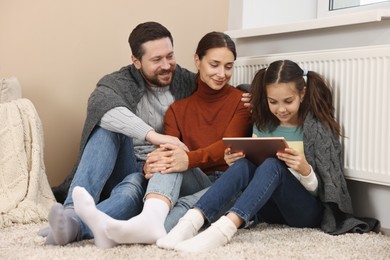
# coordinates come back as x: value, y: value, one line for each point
x: 284, y: 101
x: 216, y: 67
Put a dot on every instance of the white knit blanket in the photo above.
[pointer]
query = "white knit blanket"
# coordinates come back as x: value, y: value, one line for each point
x: 25, y: 194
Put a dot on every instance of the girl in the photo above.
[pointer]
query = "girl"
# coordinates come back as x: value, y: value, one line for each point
x: 302, y: 187
x: 200, y: 121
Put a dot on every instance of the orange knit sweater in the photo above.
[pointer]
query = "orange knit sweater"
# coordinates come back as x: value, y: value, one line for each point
x: 201, y: 120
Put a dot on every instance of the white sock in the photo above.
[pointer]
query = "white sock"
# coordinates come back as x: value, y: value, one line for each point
x: 145, y: 228
x: 186, y: 228
x: 85, y: 208
x: 218, y: 234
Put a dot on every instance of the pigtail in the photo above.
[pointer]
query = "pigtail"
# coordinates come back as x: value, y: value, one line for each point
x: 262, y: 117
x: 320, y: 101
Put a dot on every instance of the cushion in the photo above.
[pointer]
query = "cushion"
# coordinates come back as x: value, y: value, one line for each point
x: 10, y: 89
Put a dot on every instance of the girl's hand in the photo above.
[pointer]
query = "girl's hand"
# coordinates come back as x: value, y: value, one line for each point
x: 295, y: 161
x: 230, y: 157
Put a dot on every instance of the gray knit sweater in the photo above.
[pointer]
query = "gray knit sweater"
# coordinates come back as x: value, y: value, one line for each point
x: 323, y: 152
x: 123, y: 88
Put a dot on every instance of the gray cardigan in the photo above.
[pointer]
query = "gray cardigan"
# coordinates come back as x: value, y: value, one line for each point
x: 323, y: 152
x: 123, y: 88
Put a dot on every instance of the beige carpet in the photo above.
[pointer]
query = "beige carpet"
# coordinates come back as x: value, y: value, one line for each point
x: 262, y: 242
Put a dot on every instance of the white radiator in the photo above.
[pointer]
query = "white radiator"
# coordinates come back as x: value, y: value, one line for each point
x: 361, y: 85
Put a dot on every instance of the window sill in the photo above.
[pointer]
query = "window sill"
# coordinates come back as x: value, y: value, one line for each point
x: 314, y: 24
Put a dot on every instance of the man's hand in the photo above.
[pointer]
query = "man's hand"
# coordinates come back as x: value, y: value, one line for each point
x: 157, y: 161
x: 246, y: 98
x: 179, y: 158
x: 158, y: 139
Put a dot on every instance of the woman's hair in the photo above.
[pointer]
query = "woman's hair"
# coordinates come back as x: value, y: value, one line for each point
x: 317, y: 100
x: 144, y: 32
x: 215, y: 40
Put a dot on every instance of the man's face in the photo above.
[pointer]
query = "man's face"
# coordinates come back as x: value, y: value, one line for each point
x: 158, y: 63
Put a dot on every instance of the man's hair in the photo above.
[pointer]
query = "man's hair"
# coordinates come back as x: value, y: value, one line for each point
x: 144, y: 32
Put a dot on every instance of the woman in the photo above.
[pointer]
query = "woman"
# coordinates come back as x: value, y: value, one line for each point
x: 302, y: 187
x: 214, y: 111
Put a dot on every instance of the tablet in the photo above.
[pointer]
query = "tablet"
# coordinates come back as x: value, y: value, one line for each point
x: 256, y: 149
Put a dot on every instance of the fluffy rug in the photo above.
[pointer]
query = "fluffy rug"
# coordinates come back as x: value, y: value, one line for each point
x: 264, y: 241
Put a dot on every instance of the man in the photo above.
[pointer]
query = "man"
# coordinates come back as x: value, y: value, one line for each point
x: 124, y: 121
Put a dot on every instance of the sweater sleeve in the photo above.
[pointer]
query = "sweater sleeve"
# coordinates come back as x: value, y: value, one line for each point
x: 213, y: 154
x: 122, y: 120
x: 310, y: 182
x: 170, y: 124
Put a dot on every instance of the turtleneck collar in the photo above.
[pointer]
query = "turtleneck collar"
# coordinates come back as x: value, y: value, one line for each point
x: 208, y: 94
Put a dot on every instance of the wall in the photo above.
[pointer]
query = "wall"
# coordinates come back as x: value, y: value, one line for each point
x: 258, y: 14
x: 368, y: 199
x: 59, y: 50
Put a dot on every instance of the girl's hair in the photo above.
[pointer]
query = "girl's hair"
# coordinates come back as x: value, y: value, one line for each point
x: 215, y: 40
x: 317, y: 100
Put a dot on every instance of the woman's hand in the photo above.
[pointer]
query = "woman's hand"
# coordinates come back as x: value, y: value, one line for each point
x: 179, y: 158
x: 167, y: 158
x: 295, y: 161
x: 230, y: 157
x: 157, y: 161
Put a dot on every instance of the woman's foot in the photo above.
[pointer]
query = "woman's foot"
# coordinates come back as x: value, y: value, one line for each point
x: 186, y: 228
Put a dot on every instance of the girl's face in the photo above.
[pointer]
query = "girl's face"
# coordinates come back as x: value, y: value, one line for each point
x: 216, y: 67
x: 284, y: 101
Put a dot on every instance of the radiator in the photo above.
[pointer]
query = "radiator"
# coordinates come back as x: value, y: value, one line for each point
x: 361, y: 86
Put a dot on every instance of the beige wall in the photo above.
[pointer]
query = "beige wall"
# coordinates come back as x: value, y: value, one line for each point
x: 59, y: 50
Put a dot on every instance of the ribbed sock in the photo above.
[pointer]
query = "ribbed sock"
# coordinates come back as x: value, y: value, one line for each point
x: 85, y: 208
x: 45, y: 231
x: 218, y: 234
x: 144, y: 228
x: 186, y: 228
x: 64, y: 229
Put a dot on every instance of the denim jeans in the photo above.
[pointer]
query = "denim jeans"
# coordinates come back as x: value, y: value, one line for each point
x: 108, y: 164
x: 270, y: 193
x: 189, y: 186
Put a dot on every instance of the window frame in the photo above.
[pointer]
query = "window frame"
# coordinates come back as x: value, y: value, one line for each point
x: 323, y: 8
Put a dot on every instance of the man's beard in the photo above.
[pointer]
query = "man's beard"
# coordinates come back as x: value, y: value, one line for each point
x: 155, y: 80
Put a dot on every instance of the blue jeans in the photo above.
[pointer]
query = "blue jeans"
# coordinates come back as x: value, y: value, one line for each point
x: 270, y: 193
x: 182, y: 189
x: 108, y: 165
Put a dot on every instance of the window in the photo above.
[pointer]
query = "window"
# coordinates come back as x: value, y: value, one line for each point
x: 337, y: 7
